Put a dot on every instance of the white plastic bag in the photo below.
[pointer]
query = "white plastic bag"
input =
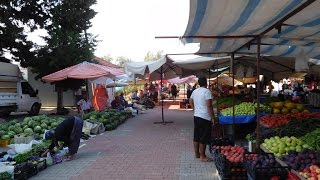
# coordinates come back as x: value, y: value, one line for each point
x: 301, y: 63
x: 21, y: 148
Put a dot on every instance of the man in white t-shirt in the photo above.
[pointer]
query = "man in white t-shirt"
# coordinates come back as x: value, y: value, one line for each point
x: 84, y: 104
x: 201, y: 103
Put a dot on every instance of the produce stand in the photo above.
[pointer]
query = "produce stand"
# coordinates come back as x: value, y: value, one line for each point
x: 283, y: 163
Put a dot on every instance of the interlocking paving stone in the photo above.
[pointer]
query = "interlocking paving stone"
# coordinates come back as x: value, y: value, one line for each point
x: 138, y: 149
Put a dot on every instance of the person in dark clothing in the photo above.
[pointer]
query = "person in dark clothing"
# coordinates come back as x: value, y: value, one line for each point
x: 174, y: 91
x: 69, y: 132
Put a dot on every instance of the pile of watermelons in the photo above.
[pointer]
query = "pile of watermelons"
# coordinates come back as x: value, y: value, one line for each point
x: 35, y: 125
x: 110, y: 118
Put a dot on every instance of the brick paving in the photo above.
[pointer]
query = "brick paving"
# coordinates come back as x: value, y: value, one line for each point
x: 138, y: 149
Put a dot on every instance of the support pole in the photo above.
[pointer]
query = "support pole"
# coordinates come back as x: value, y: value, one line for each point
x: 258, y: 93
x: 162, y: 114
x: 233, y: 109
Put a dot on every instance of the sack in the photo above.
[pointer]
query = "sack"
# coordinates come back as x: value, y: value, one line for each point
x: 93, y: 127
x: 216, y: 130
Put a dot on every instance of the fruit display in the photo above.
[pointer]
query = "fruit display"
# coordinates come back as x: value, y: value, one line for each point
x: 281, y: 146
x: 245, y: 108
x: 287, y: 107
x: 301, y: 160
x: 264, y: 166
x: 282, y: 119
x: 226, y: 102
x: 312, y: 139
x: 34, y: 125
x: 110, y: 118
x: 232, y: 153
x: 311, y: 173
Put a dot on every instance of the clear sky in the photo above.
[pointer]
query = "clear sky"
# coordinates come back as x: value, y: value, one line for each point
x: 128, y: 27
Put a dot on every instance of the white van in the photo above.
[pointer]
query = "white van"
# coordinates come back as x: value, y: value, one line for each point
x: 16, y: 94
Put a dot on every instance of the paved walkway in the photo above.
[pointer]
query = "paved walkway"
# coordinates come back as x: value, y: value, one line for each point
x: 138, y: 149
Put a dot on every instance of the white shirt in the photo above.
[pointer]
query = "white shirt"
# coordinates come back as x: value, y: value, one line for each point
x: 85, y: 105
x: 200, y: 96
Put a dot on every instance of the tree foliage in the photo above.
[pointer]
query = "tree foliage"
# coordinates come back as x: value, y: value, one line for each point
x: 152, y: 57
x: 121, y: 60
x: 17, y: 18
x: 108, y: 58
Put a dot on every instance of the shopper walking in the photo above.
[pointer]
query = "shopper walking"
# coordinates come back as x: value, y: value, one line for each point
x: 201, y: 103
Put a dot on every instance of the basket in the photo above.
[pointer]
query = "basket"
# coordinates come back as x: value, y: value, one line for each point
x: 262, y: 173
x: 4, y: 142
x: 22, y: 140
x: 221, y: 142
x: 227, y: 169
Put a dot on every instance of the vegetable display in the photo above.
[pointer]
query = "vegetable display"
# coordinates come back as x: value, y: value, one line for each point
x: 312, y: 139
x: 245, y: 108
x: 35, y: 125
x: 109, y: 118
x: 279, y: 120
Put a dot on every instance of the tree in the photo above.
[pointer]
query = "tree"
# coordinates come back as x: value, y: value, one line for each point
x: 152, y: 57
x: 108, y: 58
x: 17, y: 18
x: 121, y: 60
x: 68, y: 42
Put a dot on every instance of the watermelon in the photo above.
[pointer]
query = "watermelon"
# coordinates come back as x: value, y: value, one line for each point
x: 28, y: 131
x: 44, y: 125
x: 11, y: 128
x: 27, y: 119
x: 37, y: 129
x: 18, y: 130
x: 25, y: 127
x: 2, y: 132
x: 11, y: 134
x: 30, y: 123
x: 17, y: 125
x: 13, y: 122
x: 5, y: 137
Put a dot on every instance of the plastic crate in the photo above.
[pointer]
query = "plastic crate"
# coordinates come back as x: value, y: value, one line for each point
x: 22, y: 140
x: 4, y: 142
x: 221, y: 142
x: 261, y: 173
x: 25, y: 170
x: 227, y: 169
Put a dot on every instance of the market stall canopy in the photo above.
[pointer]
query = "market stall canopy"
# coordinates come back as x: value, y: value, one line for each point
x: 153, y: 69
x: 285, y: 26
x: 116, y: 84
x: 185, y: 80
x: 84, y: 70
x: 226, y: 80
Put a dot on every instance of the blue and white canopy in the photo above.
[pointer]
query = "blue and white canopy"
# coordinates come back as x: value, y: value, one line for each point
x: 255, y: 17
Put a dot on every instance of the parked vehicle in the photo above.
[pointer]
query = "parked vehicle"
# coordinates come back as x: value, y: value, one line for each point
x: 16, y: 94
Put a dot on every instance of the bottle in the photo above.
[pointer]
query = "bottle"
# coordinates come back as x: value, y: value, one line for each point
x: 49, y: 159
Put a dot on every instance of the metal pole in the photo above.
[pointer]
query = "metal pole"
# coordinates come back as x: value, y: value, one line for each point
x: 258, y: 93
x: 184, y: 87
x: 161, y: 82
x: 233, y: 109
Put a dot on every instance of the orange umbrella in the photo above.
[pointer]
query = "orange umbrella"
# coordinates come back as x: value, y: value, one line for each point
x: 84, y: 70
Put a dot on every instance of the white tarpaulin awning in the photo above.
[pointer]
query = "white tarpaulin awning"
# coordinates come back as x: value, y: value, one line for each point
x: 185, y: 80
x: 153, y: 68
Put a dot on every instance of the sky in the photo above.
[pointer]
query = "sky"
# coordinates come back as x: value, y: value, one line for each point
x: 128, y: 27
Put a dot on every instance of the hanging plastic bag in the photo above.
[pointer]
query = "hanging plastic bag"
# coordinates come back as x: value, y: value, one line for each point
x: 301, y: 63
x: 249, y: 72
x: 240, y: 72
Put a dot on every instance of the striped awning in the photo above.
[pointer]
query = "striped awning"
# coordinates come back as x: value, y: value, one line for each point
x: 285, y: 26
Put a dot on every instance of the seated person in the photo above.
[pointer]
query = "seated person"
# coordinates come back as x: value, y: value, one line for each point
x: 84, y: 104
x: 134, y: 95
x: 123, y: 102
x: 116, y: 103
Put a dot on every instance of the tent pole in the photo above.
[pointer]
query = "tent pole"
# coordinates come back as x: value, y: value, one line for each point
x: 258, y: 93
x: 184, y: 94
x: 233, y: 109
x: 162, y: 115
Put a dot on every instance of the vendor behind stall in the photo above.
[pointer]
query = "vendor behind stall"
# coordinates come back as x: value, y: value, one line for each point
x: 69, y: 132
